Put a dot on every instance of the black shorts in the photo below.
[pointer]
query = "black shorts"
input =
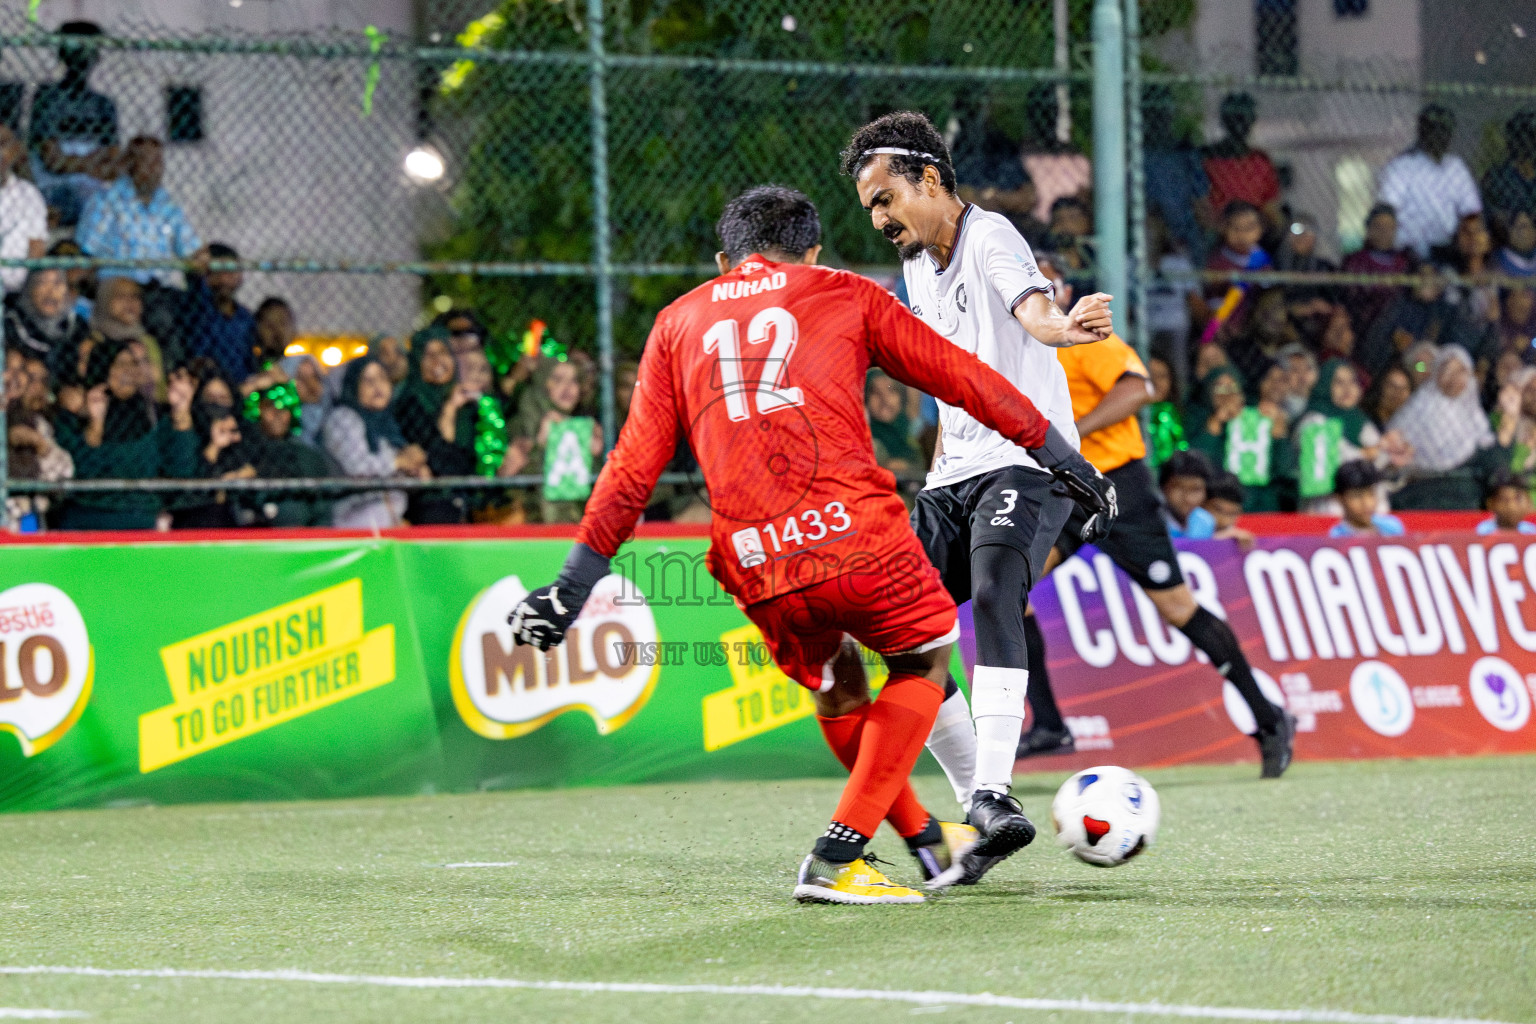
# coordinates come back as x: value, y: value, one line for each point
x: 1012, y: 506
x: 1138, y: 542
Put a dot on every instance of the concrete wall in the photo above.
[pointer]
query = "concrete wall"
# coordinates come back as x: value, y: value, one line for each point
x: 289, y: 167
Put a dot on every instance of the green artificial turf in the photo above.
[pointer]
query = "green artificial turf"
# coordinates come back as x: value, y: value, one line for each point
x: 1382, y: 887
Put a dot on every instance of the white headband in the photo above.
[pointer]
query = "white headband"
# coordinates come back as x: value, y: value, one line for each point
x: 894, y: 151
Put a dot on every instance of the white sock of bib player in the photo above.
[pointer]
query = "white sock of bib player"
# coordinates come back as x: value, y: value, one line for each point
x: 997, y: 704
x: 953, y: 744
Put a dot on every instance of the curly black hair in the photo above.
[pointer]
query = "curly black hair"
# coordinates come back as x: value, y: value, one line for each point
x: 770, y: 219
x: 904, y: 129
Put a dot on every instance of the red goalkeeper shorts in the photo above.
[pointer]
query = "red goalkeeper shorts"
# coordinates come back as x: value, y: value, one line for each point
x: 899, y: 614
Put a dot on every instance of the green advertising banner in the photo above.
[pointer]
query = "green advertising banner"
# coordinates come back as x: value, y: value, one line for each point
x: 167, y: 672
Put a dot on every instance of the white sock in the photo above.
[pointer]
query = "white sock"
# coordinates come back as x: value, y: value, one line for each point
x: 997, y: 702
x: 953, y: 744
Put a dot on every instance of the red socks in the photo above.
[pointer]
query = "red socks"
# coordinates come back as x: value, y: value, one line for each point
x: 878, y: 744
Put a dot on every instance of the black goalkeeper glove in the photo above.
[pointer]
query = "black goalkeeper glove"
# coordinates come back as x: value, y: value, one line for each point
x: 541, y: 618
x: 1085, y: 485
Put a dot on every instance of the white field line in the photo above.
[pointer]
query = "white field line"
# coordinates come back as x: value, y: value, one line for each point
x: 13, y: 1013
x: 928, y: 998
x: 483, y: 864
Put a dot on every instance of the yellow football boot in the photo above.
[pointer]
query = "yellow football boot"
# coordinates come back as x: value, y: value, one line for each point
x: 856, y: 882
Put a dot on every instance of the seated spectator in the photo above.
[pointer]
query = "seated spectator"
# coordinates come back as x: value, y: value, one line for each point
x: 1241, y: 439
x: 73, y: 131
x: 1422, y: 313
x: 1389, y: 392
x: 361, y: 434
x: 1224, y: 500
x: 1177, y: 189
x: 1429, y: 186
x: 437, y: 413
x: 1236, y: 170
x: 390, y: 351
x: 136, y: 219
x: 1358, y: 487
x: 1380, y: 255
x: 279, y: 452
x: 1508, y: 496
x: 1231, y: 301
x: 1469, y: 256
x: 1183, y: 478
x: 1337, y: 340
x: 465, y: 329
x: 1443, y: 420
x: 1055, y: 166
x: 889, y: 427
x: 1511, y: 185
x: 490, y: 441
x: 1517, y: 258
x: 34, y: 452
x: 221, y: 455
x: 219, y: 326
x: 82, y: 280
x: 117, y: 318
x: 1333, y: 431
x: 1165, y: 414
x: 1301, y: 376
x: 1070, y: 235
x: 557, y: 443
x: 308, y: 378
x: 116, y: 434
x: 1516, y: 327
x: 272, y: 333
x: 1298, y: 253
x: 1262, y: 334
x: 23, y: 214
x: 39, y: 320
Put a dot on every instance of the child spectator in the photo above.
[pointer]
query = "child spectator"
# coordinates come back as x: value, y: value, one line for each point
x: 1298, y: 253
x: 1241, y: 229
x: 115, y: 434
x: 1241, y: 439
x: 1333, y: 431
x: 219, y: 326
x: 558, y: 444
x: 362, y: 436
x: 1224, y: 500
x: 1381, y: 254
x: 1358, y: 487
x: 1470, y: 256
x: 1183, y: 479
x: 40, y: 320
x: 1518, y: 257
x: 1508, y: 496
x: 885, y: 402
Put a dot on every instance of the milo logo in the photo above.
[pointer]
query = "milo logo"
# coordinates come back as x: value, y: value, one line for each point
x: 503, y: 690
x: 45, y: 665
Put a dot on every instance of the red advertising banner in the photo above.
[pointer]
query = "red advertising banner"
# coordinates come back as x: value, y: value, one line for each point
x: 1418, y: 646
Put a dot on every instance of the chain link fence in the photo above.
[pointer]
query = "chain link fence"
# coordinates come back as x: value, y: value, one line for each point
x: 536, y: 179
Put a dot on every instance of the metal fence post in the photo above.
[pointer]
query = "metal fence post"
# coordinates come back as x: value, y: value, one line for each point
x: 1141, y: 266
x: 601, y: 251
x: 1109, y: 152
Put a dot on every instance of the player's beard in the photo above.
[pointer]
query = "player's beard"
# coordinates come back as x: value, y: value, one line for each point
x: 908, y: 252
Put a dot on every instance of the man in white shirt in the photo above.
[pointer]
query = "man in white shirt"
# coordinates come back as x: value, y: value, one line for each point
x: 1430, y: 187
x: 23, y: 213
x: 991, y: 511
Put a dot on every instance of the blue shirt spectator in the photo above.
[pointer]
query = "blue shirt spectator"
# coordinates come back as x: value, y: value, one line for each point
x: 220, y: 328
x: 73, y: 130
x: 136, y: 218
x: 1491, y: 526
x: 1384, y: 526
x: 1200, y: 525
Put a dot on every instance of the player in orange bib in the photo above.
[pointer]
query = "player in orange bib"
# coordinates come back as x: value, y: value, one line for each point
x: 1109, y: 384
x: 762, y: 369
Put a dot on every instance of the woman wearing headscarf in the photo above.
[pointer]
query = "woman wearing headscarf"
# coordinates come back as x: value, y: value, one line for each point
x: 115, y: 433
x: 1333, y: 430
x: 222, y: 455
x: 1447, y: 428
x: 40, y: 319
x: 117, y: 318
x: 362, y: 435
x: 547, y: 418
x: 279, y: 452
x: 437, y: 413
x: 890, y: 428
x: 1239, y: 438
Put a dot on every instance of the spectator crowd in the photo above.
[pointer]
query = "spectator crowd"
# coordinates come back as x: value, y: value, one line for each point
x: 1269, y: 397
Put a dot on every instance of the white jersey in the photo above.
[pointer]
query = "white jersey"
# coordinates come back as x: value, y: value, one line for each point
x: 971, y: 303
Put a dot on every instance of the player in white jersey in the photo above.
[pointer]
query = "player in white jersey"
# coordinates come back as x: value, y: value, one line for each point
x: 990, y: 512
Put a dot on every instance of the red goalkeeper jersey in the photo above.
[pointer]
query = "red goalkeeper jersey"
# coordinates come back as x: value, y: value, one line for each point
x: 763, y: 371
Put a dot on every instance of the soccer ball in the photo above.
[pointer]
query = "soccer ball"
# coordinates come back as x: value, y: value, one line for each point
x: 1106, y: 815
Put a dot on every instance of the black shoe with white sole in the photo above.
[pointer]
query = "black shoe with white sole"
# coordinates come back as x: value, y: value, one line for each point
x: 1275, y: 747
x: 1042, y: 740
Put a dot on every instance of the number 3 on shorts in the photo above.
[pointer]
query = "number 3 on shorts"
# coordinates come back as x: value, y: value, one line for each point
x: 1012, y: 496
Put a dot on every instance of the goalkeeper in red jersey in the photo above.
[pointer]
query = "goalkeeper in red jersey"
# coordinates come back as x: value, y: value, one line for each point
x: 762, y: 370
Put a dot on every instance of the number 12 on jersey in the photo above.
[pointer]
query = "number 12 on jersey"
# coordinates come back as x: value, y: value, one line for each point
x: 774, y: 323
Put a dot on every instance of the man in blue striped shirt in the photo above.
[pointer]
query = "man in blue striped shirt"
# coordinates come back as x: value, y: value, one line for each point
x: 136, y: 218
